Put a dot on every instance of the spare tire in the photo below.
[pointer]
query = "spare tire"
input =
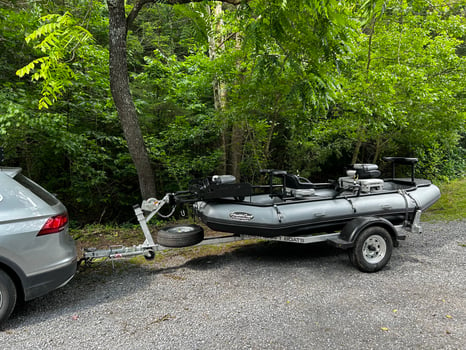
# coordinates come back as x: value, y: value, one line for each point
x: 180, y: 236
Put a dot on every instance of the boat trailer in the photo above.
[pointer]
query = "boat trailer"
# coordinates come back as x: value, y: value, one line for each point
x: 373, y: 251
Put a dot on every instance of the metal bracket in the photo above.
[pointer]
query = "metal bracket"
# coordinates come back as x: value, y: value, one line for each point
x: 416, y: 226
x: 279, y: 213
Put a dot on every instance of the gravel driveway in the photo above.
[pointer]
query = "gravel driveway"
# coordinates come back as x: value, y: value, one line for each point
x: 261, y: 296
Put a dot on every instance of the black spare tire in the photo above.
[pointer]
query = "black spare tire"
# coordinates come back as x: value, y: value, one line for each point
x: 180, y: 236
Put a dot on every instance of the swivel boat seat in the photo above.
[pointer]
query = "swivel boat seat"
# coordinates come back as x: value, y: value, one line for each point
x: 362, y: 178
x: 298, y: 187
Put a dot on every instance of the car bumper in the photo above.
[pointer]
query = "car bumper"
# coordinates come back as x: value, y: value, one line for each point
x: 42, y: 283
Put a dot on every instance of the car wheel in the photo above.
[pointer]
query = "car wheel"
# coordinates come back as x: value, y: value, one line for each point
x: 7, y: 296
x: 372, y: 249
x: 180, y: 236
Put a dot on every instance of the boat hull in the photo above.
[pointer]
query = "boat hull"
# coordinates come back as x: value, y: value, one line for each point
x: 325, y: 211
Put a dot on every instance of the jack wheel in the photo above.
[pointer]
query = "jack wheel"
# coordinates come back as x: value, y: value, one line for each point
x: 149, y: 255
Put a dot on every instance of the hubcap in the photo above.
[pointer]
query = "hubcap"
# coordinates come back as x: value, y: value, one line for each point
x: 374, y: 249
x: 182, y: 229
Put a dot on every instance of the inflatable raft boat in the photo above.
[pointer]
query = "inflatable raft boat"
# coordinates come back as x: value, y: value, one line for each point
x: 290, y: 205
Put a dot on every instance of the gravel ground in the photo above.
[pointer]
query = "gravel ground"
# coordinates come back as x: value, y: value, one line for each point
x: 261, y: 296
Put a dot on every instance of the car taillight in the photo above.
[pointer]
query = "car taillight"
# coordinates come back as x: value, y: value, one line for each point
x: 54, y: 224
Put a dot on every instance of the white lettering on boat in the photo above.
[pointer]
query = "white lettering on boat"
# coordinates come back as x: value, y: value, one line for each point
x: 241, y: 216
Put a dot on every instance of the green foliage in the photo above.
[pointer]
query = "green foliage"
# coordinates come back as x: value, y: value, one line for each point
x: 403, y: 90
x: 184, y: 131
x: 307, y: 38
x: 307, y: 85
x: 75, y: 147
x: 62, y: 40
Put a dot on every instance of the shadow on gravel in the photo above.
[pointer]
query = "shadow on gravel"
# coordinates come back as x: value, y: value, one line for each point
x: 264, y: 253
x: 104, y: 283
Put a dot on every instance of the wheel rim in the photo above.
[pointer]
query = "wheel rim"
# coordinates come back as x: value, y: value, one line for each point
x: 374, y: 249
x: 181, y: 229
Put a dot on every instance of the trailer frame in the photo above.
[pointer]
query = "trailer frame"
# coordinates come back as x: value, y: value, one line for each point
x: 345, y: 239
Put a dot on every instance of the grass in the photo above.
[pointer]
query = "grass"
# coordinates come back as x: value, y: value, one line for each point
x: 452, y: 203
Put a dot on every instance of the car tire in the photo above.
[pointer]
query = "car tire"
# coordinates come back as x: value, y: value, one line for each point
x: 372, y: 249
x: 7, y: 296
x: 180, y: 236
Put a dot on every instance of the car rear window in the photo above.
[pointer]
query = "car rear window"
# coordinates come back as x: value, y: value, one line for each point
x: 36, y: 189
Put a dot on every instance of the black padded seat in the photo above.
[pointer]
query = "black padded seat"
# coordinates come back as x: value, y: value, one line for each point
x: 367, y: 171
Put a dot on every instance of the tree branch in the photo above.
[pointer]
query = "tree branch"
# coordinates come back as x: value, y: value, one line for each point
x: 135, y: 11
x: 141, y: 3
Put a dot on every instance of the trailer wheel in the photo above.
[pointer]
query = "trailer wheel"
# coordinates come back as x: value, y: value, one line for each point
x: 372, y: 249
x: 7, y: 296
x: 180, y: 236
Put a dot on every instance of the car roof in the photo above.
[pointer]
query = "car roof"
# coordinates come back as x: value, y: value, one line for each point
x: 11, y: 171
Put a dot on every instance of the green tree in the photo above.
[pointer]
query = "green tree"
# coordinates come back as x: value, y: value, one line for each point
x: 404, y: 89
x: 75, y: 147
x: 308, y: 50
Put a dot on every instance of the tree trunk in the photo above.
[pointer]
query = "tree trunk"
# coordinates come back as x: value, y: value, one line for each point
x: 236, y: 150
x: 220, y: 91
x: 378, y: 149
x: 219, y: 88
x: 356, y: 152
x: 119, y: 85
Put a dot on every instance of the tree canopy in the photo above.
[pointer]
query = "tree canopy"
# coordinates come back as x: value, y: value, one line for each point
x: 225, y: 87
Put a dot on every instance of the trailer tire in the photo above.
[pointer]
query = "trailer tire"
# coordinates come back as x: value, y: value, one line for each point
x: 180, y: 236
x: 372, y: 249
x: 8, y: 296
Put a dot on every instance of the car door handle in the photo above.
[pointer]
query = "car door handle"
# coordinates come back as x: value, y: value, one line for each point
x: 320, y: 214
x: 386, y: 206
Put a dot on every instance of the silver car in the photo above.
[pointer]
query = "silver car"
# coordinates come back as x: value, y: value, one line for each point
x: 37, y: 255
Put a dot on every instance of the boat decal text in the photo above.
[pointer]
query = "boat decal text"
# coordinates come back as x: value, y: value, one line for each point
x: 241, y: 216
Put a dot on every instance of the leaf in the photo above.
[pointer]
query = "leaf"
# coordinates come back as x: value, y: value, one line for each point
x: 62, y: 41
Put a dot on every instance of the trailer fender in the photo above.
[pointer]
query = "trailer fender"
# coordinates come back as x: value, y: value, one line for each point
x: 353, y: 229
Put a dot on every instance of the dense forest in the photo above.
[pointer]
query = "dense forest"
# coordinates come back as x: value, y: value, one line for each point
x: 102, y: 102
